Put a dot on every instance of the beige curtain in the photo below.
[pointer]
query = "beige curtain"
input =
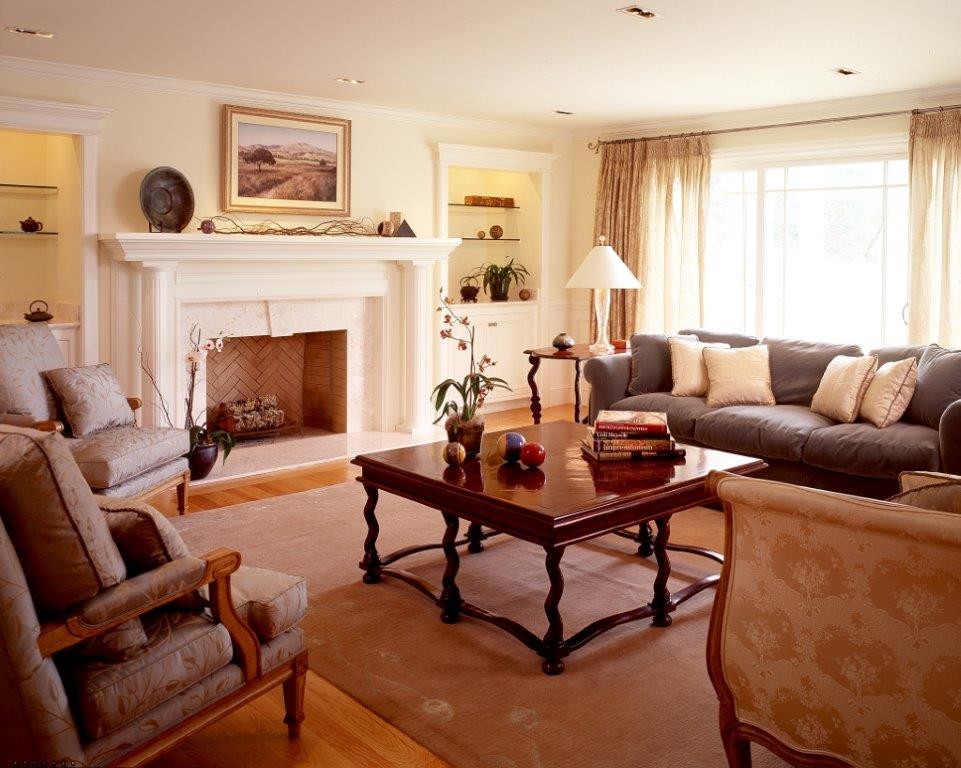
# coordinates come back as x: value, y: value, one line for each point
x: 935, y: 287
x: 652, y: 204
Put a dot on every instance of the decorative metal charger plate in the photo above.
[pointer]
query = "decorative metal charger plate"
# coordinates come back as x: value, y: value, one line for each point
x: 166, y: 199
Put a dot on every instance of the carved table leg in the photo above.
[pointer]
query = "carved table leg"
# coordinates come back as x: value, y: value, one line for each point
x: 371, y: 561
x: 577, y: 391
x: 449, y: 599
x: 552, y: 664
x: 475, y: 538
x: 662, y: 597
x: 532, y: 381
x: 645, y: 540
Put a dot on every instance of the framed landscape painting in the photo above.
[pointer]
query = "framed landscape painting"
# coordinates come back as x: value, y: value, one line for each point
x: 280, y: 162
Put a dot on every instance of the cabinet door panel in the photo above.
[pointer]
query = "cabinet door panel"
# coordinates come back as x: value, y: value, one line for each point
x: 514, y: 333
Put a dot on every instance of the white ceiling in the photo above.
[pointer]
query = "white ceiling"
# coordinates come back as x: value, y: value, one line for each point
x: 515, y: 60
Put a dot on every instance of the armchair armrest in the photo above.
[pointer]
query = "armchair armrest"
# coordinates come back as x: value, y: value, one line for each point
x: 608, y: 377
x: 154, y: 589
x: 28, y: 422
x: 949, y: 435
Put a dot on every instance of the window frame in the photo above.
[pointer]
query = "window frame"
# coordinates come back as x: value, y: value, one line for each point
x: 759, y: 159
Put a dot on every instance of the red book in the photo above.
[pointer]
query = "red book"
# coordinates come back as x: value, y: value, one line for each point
x: 636, y: 422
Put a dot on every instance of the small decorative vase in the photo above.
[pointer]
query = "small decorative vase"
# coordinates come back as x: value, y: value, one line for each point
x: 469, y: 292
x: 500, y: 290
x: 467, y: 433
x: 563, y: 341
x: 202, y: 459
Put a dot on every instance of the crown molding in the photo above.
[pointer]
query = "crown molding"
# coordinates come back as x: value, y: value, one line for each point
x: 265, y: 99
x: 495, y: 158
x: 815, y: 110
x: 35, y: 115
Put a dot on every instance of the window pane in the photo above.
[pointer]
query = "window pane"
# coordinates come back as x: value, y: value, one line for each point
x: 724, y: 277
x: 835, y: 175
x: 774, y: 178
x: 772, y: 284
x: 726, y: 181
x: 898, y: 171
x: 896, y: 273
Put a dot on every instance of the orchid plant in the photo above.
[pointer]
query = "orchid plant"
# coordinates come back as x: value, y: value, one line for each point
x: 200, y: 346
x: 474, y: 388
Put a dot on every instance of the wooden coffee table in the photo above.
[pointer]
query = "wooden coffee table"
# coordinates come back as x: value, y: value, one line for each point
x: 565, y: 501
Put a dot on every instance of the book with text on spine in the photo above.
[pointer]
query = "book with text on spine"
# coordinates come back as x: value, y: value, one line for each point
x: 649, y: 444
x: 646, y: 422
x: 589, y: 452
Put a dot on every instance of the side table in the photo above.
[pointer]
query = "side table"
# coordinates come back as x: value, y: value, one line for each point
x: 577, y: 353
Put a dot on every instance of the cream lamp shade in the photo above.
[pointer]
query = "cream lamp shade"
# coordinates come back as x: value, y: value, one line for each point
x: 603, y: 270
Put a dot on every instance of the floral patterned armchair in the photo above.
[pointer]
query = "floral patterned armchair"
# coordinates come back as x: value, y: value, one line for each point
x: 835, y: 637
x: 116, y: 642
x: 126, y: 461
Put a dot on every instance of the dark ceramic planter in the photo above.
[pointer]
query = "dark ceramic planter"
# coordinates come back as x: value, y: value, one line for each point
x: 468, y: 434
x: 202, y: 459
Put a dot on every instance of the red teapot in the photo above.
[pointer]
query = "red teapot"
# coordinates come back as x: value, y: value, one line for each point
x: 29, y: 225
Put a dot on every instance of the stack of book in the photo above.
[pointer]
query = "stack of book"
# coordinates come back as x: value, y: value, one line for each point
x: 624, y: 435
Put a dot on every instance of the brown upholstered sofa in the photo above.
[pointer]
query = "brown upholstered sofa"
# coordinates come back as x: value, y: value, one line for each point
x: 126, y: 461
x: 800, y: 446
x: 115, y: 641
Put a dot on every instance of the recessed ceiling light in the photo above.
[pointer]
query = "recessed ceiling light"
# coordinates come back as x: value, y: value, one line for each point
x: 846, y: 72
x: 30, y: 32
x: 638, y: 12
x: 562, y: 112
x: 349, y: 81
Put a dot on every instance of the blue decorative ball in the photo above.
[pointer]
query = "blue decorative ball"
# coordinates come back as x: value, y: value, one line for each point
x: 509, y: 446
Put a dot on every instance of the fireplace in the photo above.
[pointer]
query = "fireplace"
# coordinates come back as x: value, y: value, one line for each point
x: 306, y: 372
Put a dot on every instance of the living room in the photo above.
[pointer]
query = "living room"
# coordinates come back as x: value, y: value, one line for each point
x: 637, y: 325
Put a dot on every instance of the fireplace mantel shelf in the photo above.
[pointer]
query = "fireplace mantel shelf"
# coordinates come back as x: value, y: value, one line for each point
x: 175, y: 247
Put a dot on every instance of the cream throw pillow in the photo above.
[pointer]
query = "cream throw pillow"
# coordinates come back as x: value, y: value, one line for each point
x: 687, y: 366
x: 738, y: 376
x: 890, y: 392
x: 843, y: 386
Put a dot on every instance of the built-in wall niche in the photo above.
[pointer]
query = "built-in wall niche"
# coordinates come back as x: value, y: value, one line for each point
x: 520, y: 225
x: 40, y: 179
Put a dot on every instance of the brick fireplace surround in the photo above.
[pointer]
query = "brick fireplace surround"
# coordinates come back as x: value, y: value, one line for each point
x: 380, y: 291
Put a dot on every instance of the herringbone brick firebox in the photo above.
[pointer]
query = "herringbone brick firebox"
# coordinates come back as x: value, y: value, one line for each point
x: 307, y: 372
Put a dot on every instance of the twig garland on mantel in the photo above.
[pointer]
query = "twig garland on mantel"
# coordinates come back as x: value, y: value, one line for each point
x: 228, y: 225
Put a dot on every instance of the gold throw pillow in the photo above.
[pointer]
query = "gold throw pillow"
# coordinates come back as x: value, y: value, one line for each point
x: 738, y: 376
x: 889, y: 393
x: 843, y: 386
x: 687, y: 366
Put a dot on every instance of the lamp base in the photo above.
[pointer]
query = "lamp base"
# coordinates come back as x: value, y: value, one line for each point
x: 601, y: 348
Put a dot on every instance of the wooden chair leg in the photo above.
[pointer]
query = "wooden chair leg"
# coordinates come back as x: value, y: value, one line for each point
x: 182, y: 491
x: 294, y: 688
x: 738, y: 750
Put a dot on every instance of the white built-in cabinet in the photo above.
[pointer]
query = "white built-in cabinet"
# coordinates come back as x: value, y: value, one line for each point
x: 502, y: 330
x: 68, y: 339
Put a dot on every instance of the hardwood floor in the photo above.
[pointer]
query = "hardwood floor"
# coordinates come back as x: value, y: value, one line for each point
x: 339, y: 732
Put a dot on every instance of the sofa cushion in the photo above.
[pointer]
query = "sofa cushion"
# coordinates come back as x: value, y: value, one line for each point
x: 26, y: 351
x: 843, y: 386
x: 182, y: 649
x: 270, y: 601
x: 682, y: 412
x: 688, y: 370
x: 733, y: 340
x: 768, y: 431
x: 91, y: 398
x: 863, y: 449
x: 938, y: 385
x: 738, y: 376
x: 117, y: 455
x: 797, y: 367
x: 899, y: 352
x: 650, y: 364
x: 61, y: 537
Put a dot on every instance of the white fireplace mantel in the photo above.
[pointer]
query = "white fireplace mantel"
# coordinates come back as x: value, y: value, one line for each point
x: 155, y: 278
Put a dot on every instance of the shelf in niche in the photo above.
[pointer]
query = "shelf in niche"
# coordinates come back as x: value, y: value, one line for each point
x: 485, y: 207
x: 18, y: 233
x: 28, y: 189
x: 493, y: 239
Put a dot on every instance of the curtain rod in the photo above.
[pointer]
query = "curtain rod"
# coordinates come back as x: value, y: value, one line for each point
x: 596, y: 145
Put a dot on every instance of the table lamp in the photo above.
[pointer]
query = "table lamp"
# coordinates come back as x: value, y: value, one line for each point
x: 602, y: 270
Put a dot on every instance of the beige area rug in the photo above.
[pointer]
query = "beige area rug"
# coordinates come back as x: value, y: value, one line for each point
x: 637, y: 696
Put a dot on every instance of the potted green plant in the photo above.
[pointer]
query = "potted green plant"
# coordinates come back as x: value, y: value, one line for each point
x: 463, y: 424
x: 497, y: 278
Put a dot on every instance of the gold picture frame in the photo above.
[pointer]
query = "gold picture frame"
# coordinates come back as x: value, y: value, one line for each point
x: 302, y: 162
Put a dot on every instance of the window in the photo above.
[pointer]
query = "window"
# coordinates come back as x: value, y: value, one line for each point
x: 812, y: 251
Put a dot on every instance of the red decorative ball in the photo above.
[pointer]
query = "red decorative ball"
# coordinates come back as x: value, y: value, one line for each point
x: 509, y: 446
x: 533, y: 454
